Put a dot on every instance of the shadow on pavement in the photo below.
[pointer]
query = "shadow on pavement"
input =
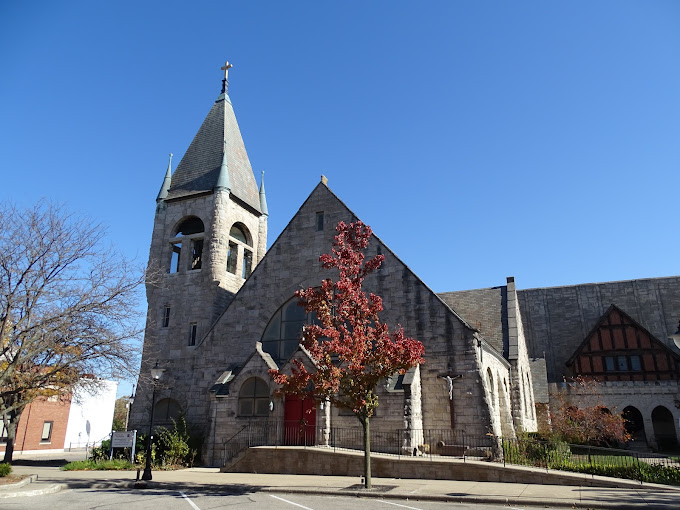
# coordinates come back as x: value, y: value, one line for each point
x: 199, y: 489
x: 40, y: 462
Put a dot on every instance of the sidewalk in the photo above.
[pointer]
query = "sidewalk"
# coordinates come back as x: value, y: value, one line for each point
x: 210, y: 480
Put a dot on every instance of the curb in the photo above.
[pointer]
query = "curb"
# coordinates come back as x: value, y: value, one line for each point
x: 20, y: 483
x: 50, y: 489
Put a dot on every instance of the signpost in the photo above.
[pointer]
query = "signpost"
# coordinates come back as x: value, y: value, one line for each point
x: 124, y: 439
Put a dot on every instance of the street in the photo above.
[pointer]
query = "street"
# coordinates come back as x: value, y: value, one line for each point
x: 135, y: 499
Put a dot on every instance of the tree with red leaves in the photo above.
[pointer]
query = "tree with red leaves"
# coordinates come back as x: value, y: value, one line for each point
x: 351, y: 349
x: 580, y: 417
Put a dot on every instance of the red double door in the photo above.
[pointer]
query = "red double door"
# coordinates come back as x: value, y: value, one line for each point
x: 299, y: 421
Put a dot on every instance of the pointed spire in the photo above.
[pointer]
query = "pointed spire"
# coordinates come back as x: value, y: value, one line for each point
x: 223, y: 178
x: 163, y: 193
x: 263, y: 198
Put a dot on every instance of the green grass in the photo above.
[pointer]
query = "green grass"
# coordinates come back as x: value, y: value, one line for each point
x: 100, y: 465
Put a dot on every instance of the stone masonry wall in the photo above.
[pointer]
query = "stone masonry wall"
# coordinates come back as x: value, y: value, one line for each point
x: 644, y: 396
x: 292, y: 263
x: 199, y: 296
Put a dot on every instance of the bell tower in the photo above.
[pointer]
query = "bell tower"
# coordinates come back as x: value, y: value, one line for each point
x: 209, y: 233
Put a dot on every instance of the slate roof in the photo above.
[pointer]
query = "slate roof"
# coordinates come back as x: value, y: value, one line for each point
x: 485, y: 310
x: 557, y: 319
x: 198, y: 170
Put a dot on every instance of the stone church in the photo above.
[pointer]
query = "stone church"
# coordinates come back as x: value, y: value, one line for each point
x: 222, y: 314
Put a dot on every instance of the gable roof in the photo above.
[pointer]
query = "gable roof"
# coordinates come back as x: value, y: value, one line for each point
x: 199, y: 169
x: 291, y: 229
x: 634, y: 323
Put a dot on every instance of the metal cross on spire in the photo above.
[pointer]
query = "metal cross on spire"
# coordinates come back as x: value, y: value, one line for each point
x: 225, y: 81
x: 226, y: 68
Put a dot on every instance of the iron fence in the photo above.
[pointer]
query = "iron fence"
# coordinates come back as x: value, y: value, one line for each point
x: 582, y: 458
x: 446, y: 443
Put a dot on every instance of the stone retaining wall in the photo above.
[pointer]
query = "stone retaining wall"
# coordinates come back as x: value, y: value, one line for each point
x: 319, y: 461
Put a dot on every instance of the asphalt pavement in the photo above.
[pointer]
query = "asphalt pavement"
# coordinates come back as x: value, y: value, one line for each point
x: 48, y: 478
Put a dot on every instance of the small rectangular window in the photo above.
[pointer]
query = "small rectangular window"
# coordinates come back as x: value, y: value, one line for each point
x: 3, y: 431
x: 247, y: 263
x: 319, y: 221
x: 622, y: 363
x: 232, y: 256
x: 635, y: 363
x: 609, y: 363
x: 174, y: 261
x: 46, y: 432
x: 166, y: 316
x: 196, y: 253
x: 193, y: 329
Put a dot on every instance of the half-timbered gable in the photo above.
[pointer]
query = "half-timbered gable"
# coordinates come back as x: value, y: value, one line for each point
x: 618, y: 348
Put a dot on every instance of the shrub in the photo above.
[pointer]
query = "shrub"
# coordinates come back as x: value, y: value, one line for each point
x: 102, y: 451
x: 177, y: 446
x: 528, y: 451
x: 5, y: 469
x: 587, y: 422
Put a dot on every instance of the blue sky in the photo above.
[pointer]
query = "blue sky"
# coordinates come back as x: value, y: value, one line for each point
x: 479, y: 139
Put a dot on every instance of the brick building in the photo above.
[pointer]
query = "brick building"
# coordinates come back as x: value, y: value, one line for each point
x: 223, y: 314
x: 57, y: 424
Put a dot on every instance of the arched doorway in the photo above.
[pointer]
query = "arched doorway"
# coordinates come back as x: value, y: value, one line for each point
x: 635, y: 426
x: 664, y: 428
x: 167, y: 411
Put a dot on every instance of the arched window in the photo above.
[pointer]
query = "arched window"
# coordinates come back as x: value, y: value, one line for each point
x: 188, y: 235
x: 492, y: 393
x: 238, y: 233
x: 192, y: 225
x: 166, y: 410
x: 530, y: 403
x: 524, y: 393
x: 240, y: 241
x: 253, y: 399
x: 282, y: 335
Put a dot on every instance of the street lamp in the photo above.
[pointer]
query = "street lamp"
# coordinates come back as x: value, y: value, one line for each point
x: 156, y: 374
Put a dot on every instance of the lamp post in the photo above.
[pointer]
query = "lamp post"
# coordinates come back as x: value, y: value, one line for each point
x: 156, y: 374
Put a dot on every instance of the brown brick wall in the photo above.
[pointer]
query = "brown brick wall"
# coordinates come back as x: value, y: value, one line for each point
x: 30, y: 427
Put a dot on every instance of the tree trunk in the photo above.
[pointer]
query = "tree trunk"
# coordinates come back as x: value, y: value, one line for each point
x: 367, y: 453
x: 12, y: 424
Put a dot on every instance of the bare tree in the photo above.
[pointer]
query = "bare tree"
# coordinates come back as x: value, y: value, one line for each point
x: 68, y: 308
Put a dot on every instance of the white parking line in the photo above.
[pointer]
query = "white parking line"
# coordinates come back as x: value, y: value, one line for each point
x: 397, y: 504
x: 193, y: 505
x: 285, y: 500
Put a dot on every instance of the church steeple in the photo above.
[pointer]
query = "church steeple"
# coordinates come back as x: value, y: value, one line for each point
x: 217, y: 158
x: 163, y: 193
